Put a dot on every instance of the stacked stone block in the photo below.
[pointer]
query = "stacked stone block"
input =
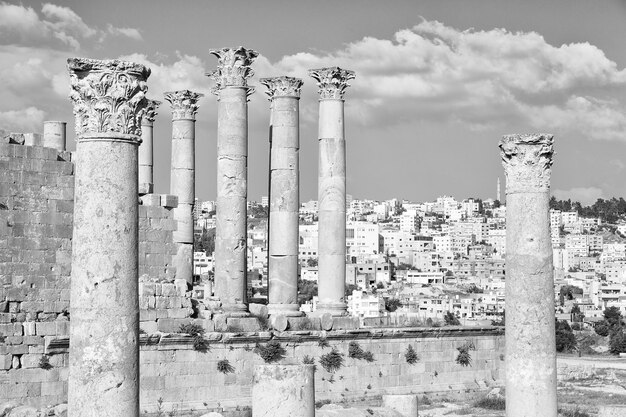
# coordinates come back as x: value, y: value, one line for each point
x: 156, y: 228
x: 164, y: 306
x: 36, y: 213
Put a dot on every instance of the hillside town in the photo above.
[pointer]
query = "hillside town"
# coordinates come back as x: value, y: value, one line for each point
x: 415, y: 263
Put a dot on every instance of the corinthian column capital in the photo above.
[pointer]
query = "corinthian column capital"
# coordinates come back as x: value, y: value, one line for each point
x: 184, y: 103
x: 151, y: 111
x: 108, y: 97
x: 332, y: 82
x: 233, y: 67
x: 527, y: 159
x: 282, y: 86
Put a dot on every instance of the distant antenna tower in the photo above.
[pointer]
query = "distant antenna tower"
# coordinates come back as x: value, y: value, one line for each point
x: 498, y: 190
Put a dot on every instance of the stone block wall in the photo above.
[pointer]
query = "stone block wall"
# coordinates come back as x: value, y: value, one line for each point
x: 36, y: 212
x: 36, y: 215
x: 188, y: 379
x: 185, y: 379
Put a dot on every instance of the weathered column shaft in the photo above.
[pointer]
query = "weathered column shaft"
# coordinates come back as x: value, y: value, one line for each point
x: 182, y: 180
x: 232, y: 177
x: 283, y: 391
x: 284, y: 93
x: 332, y: 83
x: 146, y: 180
x: 54, y: 135
x: 108, y: 99
x: 530, y: 333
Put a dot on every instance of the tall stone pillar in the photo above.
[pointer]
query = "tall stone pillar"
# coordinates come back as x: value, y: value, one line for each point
x: 184, y: 104
x: 284, y: 95
x: 146, y: 180
x: 530, y: 337
x: 232, y: 90
x: 332, y: 83
x: 54, y: 135
x: 108, y: 98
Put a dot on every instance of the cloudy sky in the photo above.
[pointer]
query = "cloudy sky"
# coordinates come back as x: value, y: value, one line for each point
x: 438, y: 82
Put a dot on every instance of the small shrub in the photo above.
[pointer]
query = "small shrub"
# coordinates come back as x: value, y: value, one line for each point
x: 271, y: 352
x: 44, y: 363
x: 323, y: 343
x: 369, y: 386
x: 225, y: 367
x: 370, y: 411
x: 602, y: 329
x: 617, y: 342
x: 572, y: 413
x: 331, y: 379
x: 332, y: 361
x: 309, y: 360
x: 197, y: 332
x: 411, y: 355
x: 425, y: 400
x: 355, y: 351
x: 320, y: 403
x: 491, y: 403
x: 464, y: 358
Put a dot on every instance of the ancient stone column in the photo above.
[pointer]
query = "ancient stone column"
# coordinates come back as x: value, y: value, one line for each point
x: 109, y: 101
x: 232, y: 90
x: 146, y: 181
x: 332, y: 83
x: 530, y: 337
x: 184, y: 104
x: 54, y: 135
x: 284, y: 95
x: 283, y: 391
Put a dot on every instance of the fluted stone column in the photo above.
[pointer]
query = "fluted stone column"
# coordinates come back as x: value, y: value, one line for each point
x: 530, y: 337
x: 184, y: 104
x: 146, y: 153
x: 332, y: 83
x: 283, y: 391
x: 108, y: 98
x: 284, y: 95
x: 232, y: 90
x: 54, y: 135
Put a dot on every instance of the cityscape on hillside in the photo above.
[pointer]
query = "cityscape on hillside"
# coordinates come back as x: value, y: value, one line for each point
x: 410, y: 262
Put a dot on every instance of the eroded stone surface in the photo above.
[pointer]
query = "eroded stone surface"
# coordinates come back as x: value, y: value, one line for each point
x: 530, y: 337
x: 283, y: 391
x: 104, y: 354
x: 332, y: 83
x: 284, y: 93
x: 232, y: 176
x: 146, y: 153
x: 184, y: 106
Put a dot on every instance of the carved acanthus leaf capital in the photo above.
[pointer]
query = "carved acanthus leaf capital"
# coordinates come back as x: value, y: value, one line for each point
x: 233, y: 67
x: 151, y: 110
x: 527, y: 159
x: 282, y: 86
x: 332, y: 82
x: 184, y: 103
x: 108, y: 96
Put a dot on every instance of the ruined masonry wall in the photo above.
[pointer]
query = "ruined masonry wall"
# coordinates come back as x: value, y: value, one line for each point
x: 36, y: 215
x: 36, y: 206
x: 186, y: 379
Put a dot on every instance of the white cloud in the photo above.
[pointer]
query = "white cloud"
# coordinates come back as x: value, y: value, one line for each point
x: 585, y: 195
x: 57, y: 27
x: 131, y: 33
x: 480, y: 78
x: 24, y: 120
x: 186, y: 73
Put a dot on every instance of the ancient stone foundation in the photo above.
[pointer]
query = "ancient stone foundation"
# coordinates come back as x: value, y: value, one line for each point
x: 283, y: 391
